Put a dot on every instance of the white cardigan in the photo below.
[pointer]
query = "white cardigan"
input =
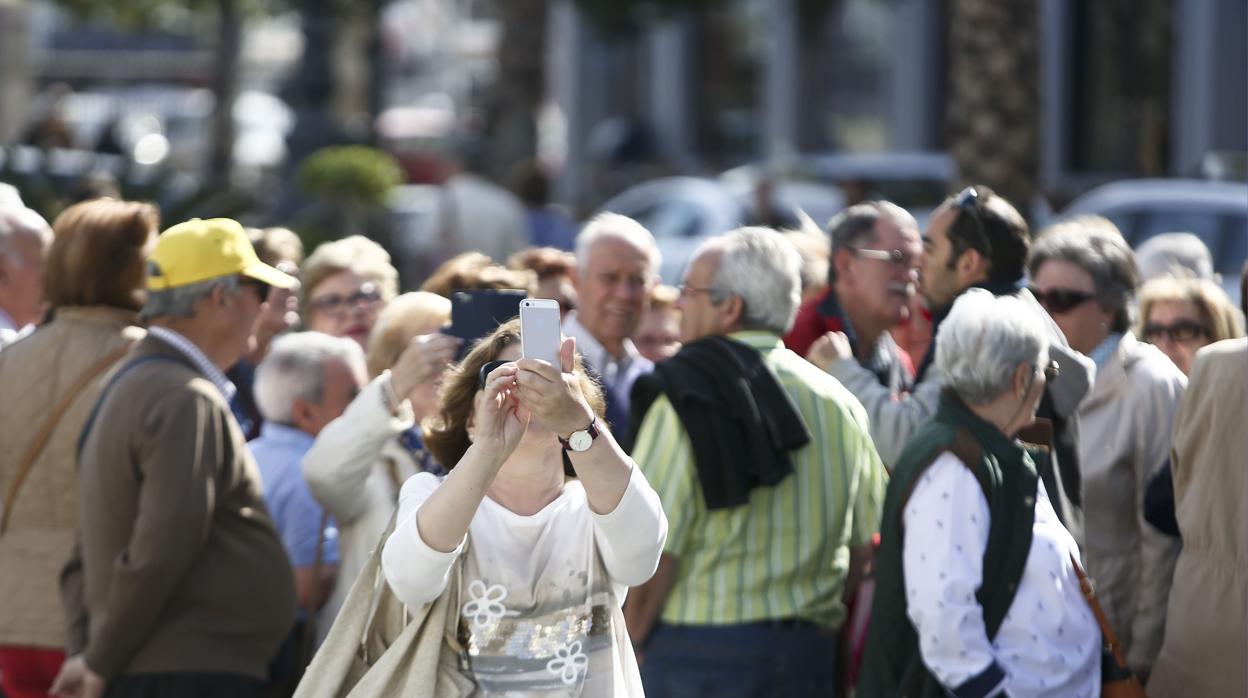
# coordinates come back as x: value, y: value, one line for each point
x: 349, y: 471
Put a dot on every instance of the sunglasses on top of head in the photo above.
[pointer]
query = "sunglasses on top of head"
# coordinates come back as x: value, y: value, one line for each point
x: 1060, y: 300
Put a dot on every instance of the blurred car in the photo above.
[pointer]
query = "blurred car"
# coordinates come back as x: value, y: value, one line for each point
x: 822, y: 184
x: 1216, y: 212
x: 680, y: 212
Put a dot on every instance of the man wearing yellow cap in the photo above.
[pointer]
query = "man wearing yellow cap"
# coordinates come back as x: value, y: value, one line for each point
x: 182, y: 585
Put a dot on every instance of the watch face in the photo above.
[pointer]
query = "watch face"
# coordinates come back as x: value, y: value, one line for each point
x: 580, y: 441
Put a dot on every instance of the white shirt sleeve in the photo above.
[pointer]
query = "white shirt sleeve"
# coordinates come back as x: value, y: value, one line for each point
x: 946, y: 530
x: 343, y: 454
x: 416, y: 572
x: 630, y: 538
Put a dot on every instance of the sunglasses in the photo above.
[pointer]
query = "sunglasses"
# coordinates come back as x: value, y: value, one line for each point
x: 486, y: 369
x: 1180, y: 331
x: 261, y: 288
x: 1060, y: 300
x: 968, y: 200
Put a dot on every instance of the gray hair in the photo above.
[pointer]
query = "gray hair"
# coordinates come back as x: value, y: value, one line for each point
x: 295, y: 370
x: 180, y: 301
x: 852, y: 227
x: 764, y: 269
x: 1175, y: 254
x: 983, y: 341
x: 1095, y: 245
x: 17, y: 221
x: 614, y: 225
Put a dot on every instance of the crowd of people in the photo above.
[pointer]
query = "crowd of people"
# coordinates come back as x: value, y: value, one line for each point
x: 869, y: 462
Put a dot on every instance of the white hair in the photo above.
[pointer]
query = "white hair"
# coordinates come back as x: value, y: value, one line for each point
x: 17, y: 221
x: 983, y: 341
x: 1176, y: 254
x: 764, y: 269
x: 180, y: 301
x: 295, y: 370
x: 614, y: 225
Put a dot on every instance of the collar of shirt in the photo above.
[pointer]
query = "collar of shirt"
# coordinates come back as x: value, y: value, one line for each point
x: 1103, y: 351
x: 6, y: 322
x: 760, y: 340
x: 197, y: 357
x: 607, y: 366
x: 286, y: 436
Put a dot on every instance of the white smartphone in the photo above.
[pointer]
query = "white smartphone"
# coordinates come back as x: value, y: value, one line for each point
x: 540, y: 335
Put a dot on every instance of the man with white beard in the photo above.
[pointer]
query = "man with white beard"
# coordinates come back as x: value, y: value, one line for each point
x: 876, y: 250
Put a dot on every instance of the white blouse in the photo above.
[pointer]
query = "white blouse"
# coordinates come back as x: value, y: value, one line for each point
x: 540, y: 596
x: 1049, y: 643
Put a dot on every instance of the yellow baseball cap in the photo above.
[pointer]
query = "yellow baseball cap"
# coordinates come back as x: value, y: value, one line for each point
x: 199, y: 250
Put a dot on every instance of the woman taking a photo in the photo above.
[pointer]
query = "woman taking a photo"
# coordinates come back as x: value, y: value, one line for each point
x: 547, y: 555
x: 975, y: 590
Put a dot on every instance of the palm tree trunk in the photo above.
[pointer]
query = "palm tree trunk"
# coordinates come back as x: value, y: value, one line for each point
x: 994, y: 105
x: 225, y: 87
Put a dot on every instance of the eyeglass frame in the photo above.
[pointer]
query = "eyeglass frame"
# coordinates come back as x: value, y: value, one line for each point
x: 685, y: 290
x: 367, y: 293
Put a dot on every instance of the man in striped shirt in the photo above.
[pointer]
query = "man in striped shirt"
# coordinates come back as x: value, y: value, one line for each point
x: 764, y: 542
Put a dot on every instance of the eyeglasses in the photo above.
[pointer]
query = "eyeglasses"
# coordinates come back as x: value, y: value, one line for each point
x: 335, y: 304
x: 1061, y: 300
x: 968, y: 200
x: 261, y: 288
x: 686, y: 291
x: 486, y: 369
x: 1051, y: 371
x: 1179, y: 331
x: 896, y: 258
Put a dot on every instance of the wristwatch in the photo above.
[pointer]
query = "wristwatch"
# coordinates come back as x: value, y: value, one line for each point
x: 581, y: 440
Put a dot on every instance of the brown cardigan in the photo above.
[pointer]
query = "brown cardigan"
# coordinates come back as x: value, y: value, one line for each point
x: 35, y: 373
x: 181, y: 567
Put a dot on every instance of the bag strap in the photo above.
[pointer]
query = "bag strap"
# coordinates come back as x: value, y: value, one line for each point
x: 99, y: 403
x: 49, y: 425
x: 1107, y: 633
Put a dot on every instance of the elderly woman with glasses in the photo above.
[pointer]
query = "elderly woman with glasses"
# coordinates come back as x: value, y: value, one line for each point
x: 346, y: 283
x: 548, y: 519
x: 1181, y: 315
x: 1085, y: 275
x: 976, y: 593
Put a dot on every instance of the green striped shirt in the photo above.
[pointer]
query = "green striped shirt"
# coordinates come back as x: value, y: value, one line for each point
x: 785, y: 553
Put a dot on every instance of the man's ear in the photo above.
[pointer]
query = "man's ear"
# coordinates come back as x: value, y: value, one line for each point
x: 972, y: 266
x: 301, y: 414
x: 841, y: 260
x: 733, y: 311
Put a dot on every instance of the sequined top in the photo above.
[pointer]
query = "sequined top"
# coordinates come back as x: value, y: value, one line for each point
x: 540, y: 594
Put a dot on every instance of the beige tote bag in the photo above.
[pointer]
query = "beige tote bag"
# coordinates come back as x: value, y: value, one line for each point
x: 379, y: 647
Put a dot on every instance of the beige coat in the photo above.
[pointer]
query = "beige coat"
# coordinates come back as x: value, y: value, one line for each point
x: 1125, y: 425
x: 1206, y: 643
x: 35, y: 373
x: 355, y: 470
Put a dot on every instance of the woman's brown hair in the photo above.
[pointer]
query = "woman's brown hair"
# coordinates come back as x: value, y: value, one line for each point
x: 97, y: 254
x: 446, y: 435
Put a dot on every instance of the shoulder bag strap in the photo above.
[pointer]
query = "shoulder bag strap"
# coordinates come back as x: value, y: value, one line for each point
x: 41, y: 437
x: 1112, y: 646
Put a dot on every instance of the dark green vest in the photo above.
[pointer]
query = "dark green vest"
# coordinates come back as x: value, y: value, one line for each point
x: 1006, y: 470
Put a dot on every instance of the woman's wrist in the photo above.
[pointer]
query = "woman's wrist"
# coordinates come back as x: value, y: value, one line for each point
x: 587, y: 418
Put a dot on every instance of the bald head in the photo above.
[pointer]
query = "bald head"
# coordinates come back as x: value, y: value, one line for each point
x: 24, y: 240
